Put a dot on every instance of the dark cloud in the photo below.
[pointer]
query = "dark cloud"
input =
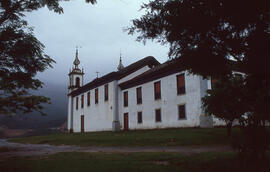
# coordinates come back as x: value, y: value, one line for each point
x: 98, y: 30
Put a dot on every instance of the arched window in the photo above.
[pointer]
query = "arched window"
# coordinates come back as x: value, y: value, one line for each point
x: 77, y: 82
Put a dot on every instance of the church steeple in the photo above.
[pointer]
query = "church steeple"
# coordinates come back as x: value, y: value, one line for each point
x: 76, y: 61
x: 75, y: 75
x: 120, y: 66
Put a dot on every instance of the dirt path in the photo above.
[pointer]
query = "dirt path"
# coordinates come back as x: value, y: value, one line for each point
x: 18, y: 149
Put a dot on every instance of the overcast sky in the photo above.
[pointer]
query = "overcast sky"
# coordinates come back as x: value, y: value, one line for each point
x: 98, y: 30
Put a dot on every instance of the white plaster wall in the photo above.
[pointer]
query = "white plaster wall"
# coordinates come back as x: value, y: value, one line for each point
x: 120, y: 92
x: 218, y: 122
x: 168, y: 104
x: 134, y: 74
x: 209, y: 86
x: 69, y: 113
x: 97, y: 117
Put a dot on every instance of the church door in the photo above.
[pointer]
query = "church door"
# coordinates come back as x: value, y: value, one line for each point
x: 125, y: 121
x: 82, y: 123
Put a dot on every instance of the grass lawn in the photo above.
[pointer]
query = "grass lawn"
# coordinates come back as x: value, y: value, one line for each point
x: 162, y: 137
x: 82, y: 162
x: 6, y: 149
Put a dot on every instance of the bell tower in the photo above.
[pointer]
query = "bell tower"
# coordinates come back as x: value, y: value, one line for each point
x: 75, y: 82
x: 75, y: 75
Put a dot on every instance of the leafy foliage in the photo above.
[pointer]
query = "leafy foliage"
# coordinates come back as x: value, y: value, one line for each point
x: 207, y: 32
x: 22, y: 56
x: 214, y: 38
x: 225, y: 100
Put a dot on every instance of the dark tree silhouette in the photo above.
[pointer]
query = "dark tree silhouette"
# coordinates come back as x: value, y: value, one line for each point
x: 22, y: 56
x: 213, y: 38
x: 207, y: 32
x: 225, y: 100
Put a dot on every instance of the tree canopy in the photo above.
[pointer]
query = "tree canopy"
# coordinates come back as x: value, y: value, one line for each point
x: 207, y: 32
x: 215, y: 38
x: 225, y: 99
x: 22, y: 56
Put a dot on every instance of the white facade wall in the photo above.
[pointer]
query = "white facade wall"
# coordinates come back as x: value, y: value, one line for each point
x: 100, y: 117
x: 97, y: 117
x: 168, y: 104
x: 69, y: 125
x: 218, y: 122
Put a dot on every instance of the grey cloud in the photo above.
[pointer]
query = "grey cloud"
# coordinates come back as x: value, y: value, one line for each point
x: 98, y: 29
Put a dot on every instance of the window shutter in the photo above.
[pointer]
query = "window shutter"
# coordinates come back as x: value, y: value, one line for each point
x: 157, y: 90
x: 77, y: 103
x: 88, y: 98
x: 125, y: 99
x: 96, y: 96
x: 82, y: 101
x: 158, y: 115
x: 106, y: 91
x: 139, y: 95
x: 139, y: 117
x: 181, y: 112
x: 181, y: 84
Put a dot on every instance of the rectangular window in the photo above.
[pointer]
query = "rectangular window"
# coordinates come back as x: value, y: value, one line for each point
x: 181, y: 112
x: 77, y: 103
x: 88, y: 98
x: 125, y: 99
x: 82, y: 101
x: 157, y: 90
x: 158, y: 115
x: 139, y: 117
x: 96, y: 96
x: 181, y: 84
x: 106, y: 91
x: 139, y: 95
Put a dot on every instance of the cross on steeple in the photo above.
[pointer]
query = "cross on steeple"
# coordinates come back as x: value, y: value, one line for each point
x: 97, y: 73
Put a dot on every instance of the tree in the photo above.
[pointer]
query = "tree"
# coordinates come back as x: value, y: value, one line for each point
x: 209, y: 32
x: 22, y: 56
x: 225, y: 100
x: 213, y: 38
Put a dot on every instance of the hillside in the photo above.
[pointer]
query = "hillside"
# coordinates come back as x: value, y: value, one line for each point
x: 56, y: 111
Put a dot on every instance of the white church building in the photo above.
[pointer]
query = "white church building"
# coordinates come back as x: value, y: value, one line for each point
x: 142, y: 95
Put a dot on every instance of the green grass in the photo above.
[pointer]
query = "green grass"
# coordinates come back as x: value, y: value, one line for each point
x: 85, y: 162
x: 6, y: 149
x: 165, y: 137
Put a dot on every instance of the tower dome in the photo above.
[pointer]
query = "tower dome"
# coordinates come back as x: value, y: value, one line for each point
x: 120, y: 66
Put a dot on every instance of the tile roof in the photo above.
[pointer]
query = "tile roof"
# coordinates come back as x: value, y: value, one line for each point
x: 162, y: 70
x: 165, y: 69
x: 147, y: 61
